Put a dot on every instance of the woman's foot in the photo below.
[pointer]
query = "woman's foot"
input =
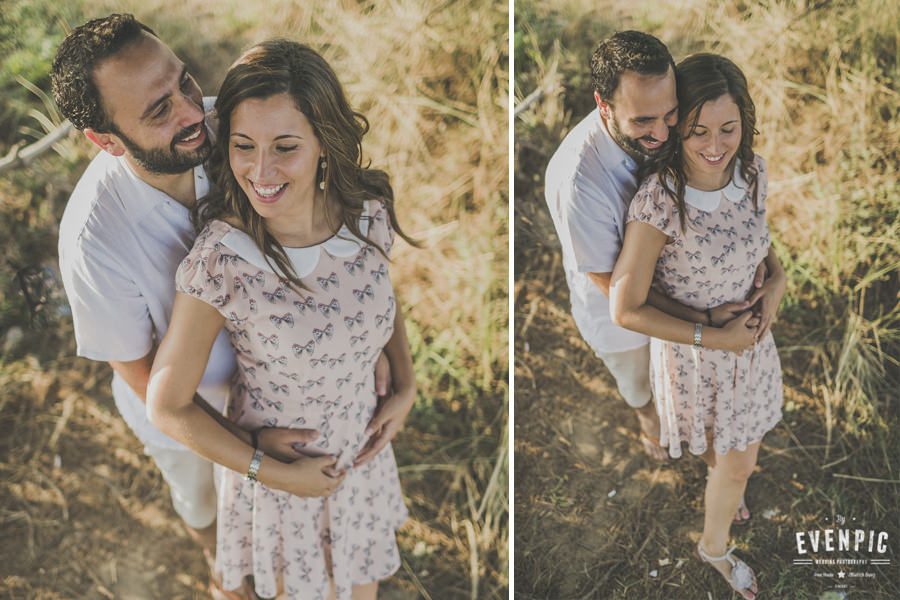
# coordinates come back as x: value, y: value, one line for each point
x: 742, y: 516
x: 649, y: 422
x: 739, y: 576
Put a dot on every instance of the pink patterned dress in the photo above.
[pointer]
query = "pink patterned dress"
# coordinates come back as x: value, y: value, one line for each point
x: 735, y: 398
x: 306, y: 360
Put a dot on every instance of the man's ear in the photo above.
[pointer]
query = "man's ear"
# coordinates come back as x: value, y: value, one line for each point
x: 106, y: 141
x: 602, y: 105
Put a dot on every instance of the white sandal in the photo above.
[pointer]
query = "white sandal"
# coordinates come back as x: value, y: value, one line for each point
x: 742, y: 577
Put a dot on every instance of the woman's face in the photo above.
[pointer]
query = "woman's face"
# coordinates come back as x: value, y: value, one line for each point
x: 274, y: 155
x: 714, y: 141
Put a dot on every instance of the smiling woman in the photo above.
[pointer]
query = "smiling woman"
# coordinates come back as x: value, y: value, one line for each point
x: 293, y: 261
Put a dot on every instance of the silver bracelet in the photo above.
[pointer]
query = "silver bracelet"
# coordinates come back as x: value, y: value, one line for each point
x: 253, y: 470
x: 698, y: 334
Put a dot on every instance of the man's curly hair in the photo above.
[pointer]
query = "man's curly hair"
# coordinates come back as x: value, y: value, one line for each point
x: 77, y: 57
x: 627, y: 51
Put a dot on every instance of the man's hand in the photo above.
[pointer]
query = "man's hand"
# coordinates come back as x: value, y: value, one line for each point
x: 765, y: 301
x: 382, y: 375
x: 762, y: 271
x: 724, y: 313
x: 386, y: 422
x: 284, y: 444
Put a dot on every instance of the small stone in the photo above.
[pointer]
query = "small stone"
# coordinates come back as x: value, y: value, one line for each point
x: 611, y: 494
x: 654, y: 573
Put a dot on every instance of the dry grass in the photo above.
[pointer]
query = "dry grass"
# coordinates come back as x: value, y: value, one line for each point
x: 88, y: 513
x: 824, y: 79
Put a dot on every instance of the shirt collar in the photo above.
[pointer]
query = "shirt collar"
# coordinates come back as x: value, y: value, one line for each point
x: 304, y: 260
x: 140, y: 198
x: 708, y: 201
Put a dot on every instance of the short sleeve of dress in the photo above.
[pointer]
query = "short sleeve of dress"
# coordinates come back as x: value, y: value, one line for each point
x: 652, y: 205
x: 204, y: 273
x: 380, y: 229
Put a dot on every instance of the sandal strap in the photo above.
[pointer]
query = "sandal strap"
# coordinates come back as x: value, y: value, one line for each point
x: 708, y: 558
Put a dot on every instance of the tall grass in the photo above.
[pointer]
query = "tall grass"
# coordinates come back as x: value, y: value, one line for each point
x: 431, y: 78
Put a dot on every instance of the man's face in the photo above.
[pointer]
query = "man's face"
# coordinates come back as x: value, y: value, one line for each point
x: 155, y: 106
x: 642, y: 110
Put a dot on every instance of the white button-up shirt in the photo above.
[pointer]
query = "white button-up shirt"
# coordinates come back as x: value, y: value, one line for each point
x: 120, y: 243
x: 589, y: 184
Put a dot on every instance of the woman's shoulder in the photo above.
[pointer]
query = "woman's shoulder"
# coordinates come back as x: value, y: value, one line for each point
x: 207, y: 244
x: 652, y: 192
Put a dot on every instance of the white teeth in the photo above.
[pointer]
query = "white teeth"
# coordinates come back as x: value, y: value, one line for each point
x: 267, y: 191
x: 193, y: 137
x: 713, y: 158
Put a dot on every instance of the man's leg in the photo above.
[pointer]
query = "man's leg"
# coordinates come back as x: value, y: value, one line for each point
x: 631, y: 370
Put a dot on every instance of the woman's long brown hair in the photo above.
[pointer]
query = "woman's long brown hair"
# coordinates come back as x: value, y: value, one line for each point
x: 283, y: 66
x: 701, y: 78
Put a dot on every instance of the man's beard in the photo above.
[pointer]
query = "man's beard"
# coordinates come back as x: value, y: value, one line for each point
x: 169, y: 161
x: 632, y: 146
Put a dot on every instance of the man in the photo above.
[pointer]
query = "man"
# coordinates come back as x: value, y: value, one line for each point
x: 589, y: 184
x: 127, y: 227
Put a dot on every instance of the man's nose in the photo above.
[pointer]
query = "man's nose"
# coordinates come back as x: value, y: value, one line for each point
x: 660, y: 132
x: 189, y: 113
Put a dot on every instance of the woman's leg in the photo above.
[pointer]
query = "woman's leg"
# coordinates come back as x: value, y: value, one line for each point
x: 724, y: 488
x: 368, y: 591
x: 742, y: 514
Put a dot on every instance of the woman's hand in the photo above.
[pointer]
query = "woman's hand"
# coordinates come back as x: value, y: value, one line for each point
x: 765, y: 301
x: 306, y: 477
x: 726, y: 312
x: 737, y: 335
x: 387, y: 421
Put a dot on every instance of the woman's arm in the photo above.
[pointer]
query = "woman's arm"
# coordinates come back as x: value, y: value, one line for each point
x: 392, y: 411
x: 630, y: 287
x: 720, y: 314
x: 177, y: 369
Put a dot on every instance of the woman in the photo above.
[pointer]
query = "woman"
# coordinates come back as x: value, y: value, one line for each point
x: 292, y: 261
x: 696, y: 230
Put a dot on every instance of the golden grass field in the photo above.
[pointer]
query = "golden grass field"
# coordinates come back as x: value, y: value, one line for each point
x: 594, y: 517
x: 83, y: 513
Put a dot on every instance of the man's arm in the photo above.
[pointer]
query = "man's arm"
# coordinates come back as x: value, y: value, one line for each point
x: 136, y: 374
x: 655, y: 299
x: 276, y: 442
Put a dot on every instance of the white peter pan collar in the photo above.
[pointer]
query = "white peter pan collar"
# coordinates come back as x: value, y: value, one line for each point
x: 304, y: 260
x: 709, y: 201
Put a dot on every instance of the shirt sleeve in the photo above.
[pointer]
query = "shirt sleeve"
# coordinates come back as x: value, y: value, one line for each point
x: 110, y: 314
x: 653, y: 206
x: 592, y: 228
x: 203, y: 274
x: 380, y: 229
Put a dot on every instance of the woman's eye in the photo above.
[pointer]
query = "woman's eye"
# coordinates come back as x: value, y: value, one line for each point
x: 728, y: 130
x: 285, y: 148
x: 243, y: 146
x: 700, y: 133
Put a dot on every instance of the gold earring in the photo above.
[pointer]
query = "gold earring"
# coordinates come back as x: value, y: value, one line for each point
x: 324, y: 165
